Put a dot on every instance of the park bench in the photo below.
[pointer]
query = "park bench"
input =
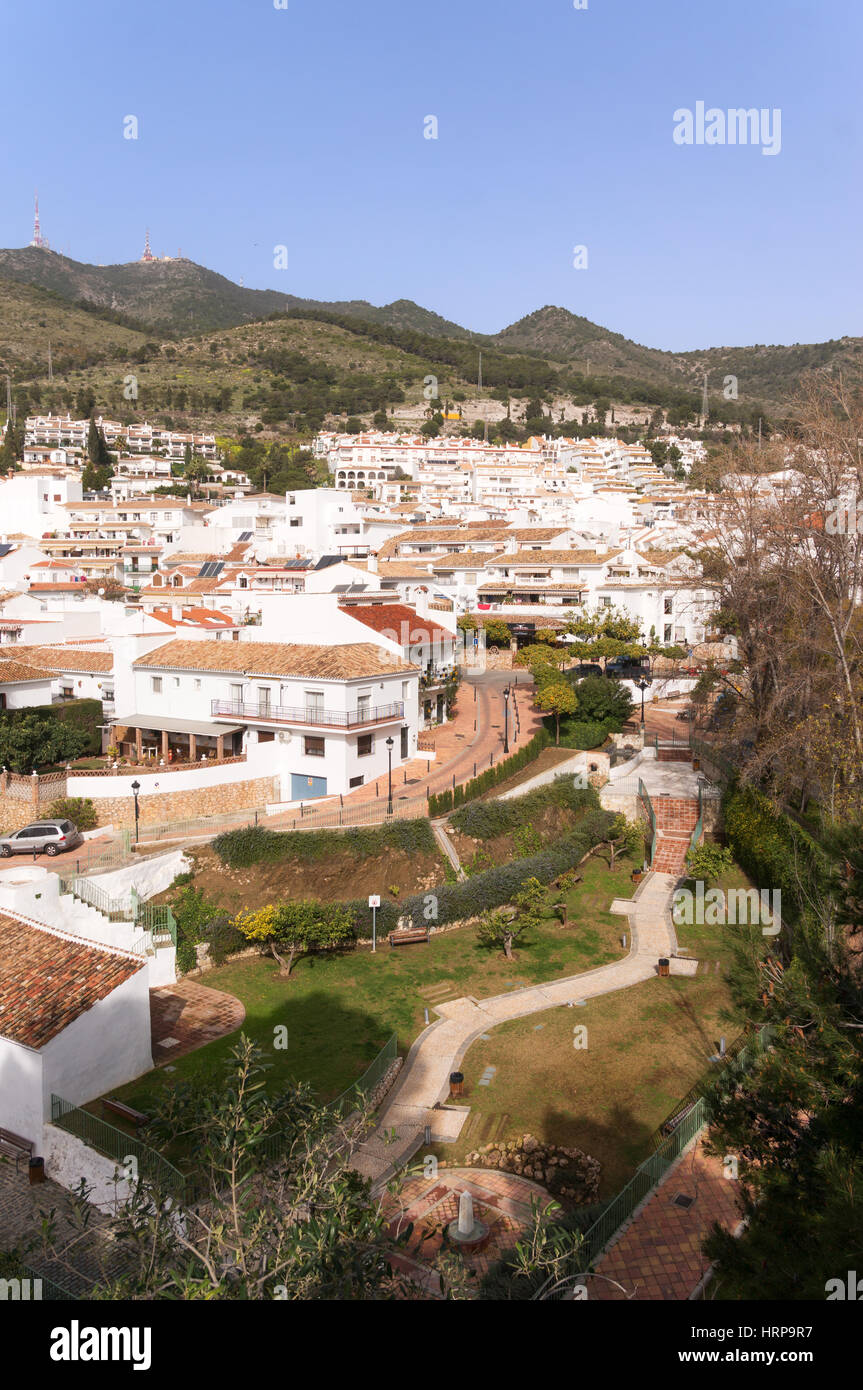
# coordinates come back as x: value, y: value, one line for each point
x: 407, y: 938
x: 15, y: 1147
x: 126, y: 1112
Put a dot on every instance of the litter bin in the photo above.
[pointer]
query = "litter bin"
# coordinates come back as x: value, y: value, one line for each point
x: 456, y: 1083
x: 37, y: 1170
x: 663, y: 966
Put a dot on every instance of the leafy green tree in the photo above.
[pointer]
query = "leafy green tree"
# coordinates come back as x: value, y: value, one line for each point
x: 279, y: 1212
x: 497, y: 632
x: 95, y: 479
x: 291, y: 929
x: 556, y: 697
x: 707, y: 862
x: 33, y: 742
x: 603, y: 700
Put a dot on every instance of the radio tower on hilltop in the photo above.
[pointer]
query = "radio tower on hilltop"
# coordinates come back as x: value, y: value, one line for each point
x: 38, y: 239
x: 148, y: 255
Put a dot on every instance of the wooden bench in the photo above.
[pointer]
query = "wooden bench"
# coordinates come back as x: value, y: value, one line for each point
x: 15, y: 1147
x: 407, y: 938
x: 126, y: 1112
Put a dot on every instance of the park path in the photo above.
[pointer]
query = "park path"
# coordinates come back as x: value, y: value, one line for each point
x: 424, y: 1079
x: 446, y: 844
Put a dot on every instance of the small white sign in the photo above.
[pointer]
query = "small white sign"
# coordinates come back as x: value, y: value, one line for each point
x: 374, y: 900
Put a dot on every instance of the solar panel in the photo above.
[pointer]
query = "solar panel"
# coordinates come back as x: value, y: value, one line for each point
x: 244, y: 536
x: 211, y: 569
x: 4, y: 550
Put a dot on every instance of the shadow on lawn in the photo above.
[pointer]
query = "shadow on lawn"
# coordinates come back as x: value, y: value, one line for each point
x: 329, y: 1044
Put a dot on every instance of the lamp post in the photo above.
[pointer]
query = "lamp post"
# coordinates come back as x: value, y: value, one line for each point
x: 506, y: 719
x: 390, y: 777
x: 642, y: 686
x: 136, y: 787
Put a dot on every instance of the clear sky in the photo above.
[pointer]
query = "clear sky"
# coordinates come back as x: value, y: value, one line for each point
x: 303, y: 127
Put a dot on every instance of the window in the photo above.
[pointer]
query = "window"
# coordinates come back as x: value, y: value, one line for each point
x: 365, y: 745
x: 667, y: 636
x: 156, y: 684
x: 176, y: 682
x: 237, y: 694
x: 314, y: 706
x: 314, y: 747
x: 364, y: 705
x: 406, y: 685
x: 197, y: 685
x: 605, y: 601
x: 356, y: 781
x: 666, y: 605
x: 296, y: 521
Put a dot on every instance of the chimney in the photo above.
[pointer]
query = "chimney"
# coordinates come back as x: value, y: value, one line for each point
x: 176, y: 612
x: 372, y: 563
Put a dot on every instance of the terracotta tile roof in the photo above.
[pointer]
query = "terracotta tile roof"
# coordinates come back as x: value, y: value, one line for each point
x: 384, y: 617
x: 196, y: 617
x: 11, y: 672
x: 47, y: 981
x: 554, y: 557
x: 348, y: 661
x: 66, y: 659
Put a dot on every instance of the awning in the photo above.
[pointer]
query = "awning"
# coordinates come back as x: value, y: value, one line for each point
x: 169, y: 725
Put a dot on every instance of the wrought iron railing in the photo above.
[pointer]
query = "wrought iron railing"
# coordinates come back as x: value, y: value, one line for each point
x: 317, y: 718
x: 114, y: 1143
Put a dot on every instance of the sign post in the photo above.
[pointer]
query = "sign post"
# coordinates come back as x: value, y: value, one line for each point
x: 374, y: 904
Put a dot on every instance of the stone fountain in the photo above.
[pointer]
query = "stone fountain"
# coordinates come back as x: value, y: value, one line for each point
x: 467, y: 1233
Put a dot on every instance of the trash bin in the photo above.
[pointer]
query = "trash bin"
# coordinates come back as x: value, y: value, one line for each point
x: 37, y: 1170
x: 663, y: 966
x: 456, y: 1083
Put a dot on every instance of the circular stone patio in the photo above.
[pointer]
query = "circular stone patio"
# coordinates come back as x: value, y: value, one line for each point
x: 501, y: 1200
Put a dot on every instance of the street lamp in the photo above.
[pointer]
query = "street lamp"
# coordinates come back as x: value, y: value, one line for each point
x: 506, y: 719
x: 390, y: 777
x: 642, y: 686
x: 136, y: 787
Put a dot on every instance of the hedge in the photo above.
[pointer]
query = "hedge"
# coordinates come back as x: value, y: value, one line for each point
x: 484, y: 819
x: 446, y: 801
x: 586, y: 733
x: 457, y: 901
x: 254, y: 844
x: 85, y: 715
x: 773, y: 851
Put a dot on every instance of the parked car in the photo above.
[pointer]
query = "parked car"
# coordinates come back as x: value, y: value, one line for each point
x: 43, y: 837
x: 628, y: 668
x: 584, y: 668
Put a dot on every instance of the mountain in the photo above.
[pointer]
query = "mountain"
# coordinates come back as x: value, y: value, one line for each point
x: 177, y: 298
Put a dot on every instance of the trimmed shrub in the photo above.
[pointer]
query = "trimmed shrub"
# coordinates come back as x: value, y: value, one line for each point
x: 773, y: 851
x: 78, y: 809
x: 254, y: 844
x: 492, y: 777
x: 485, y: 819
x: 584, y: 733
x: 84, y: 716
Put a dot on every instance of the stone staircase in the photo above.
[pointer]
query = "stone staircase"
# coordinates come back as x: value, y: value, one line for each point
x: 676, y: 818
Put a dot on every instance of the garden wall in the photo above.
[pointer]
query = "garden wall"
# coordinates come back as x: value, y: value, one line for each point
x: 189, y: 804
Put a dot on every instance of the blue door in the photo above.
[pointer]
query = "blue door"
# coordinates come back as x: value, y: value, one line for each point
x: 303, y: 788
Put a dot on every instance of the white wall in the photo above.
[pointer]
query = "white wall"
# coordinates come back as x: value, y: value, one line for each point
x: 157, y: 783
x: 104, y: 1047
x: 148, y: 876
x: 21, y: 1091
x: 68, y: 1159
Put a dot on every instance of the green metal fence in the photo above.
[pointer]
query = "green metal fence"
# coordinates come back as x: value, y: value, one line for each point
x: 155, y: 918
x: 646, y: 806
x: 669, y: 1147
x: 122, y: 1148
x: 356, y: 1094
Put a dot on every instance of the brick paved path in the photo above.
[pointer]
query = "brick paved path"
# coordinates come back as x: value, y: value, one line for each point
x: 659, y: 1255
x: 186, y: 1015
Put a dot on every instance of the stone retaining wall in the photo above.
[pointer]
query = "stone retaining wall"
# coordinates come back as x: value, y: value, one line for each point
x: 189, y: 804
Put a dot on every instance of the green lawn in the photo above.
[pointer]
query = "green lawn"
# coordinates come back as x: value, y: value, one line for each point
x: 646, y: 1047
x: 340, y: 1010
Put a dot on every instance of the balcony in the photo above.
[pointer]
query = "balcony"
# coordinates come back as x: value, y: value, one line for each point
x: 265, y: 713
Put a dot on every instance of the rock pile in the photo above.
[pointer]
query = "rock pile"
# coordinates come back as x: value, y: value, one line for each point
x: 566, y: 1172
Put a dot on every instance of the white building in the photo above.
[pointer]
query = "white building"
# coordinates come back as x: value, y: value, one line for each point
x: 316, y: 716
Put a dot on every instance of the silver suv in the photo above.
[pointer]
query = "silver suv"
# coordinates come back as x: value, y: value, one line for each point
x: 42, y: 837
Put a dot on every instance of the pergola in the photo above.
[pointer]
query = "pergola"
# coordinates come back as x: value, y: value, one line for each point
x: 135, y: 734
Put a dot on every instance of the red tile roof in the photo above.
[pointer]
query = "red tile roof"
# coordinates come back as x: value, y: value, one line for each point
x: 47, y: 980
x: 388, y: 617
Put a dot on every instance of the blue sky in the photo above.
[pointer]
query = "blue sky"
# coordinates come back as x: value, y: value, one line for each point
x: 303, y: 127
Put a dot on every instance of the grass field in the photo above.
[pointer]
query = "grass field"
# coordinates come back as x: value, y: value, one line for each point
x: 340, y: 1010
